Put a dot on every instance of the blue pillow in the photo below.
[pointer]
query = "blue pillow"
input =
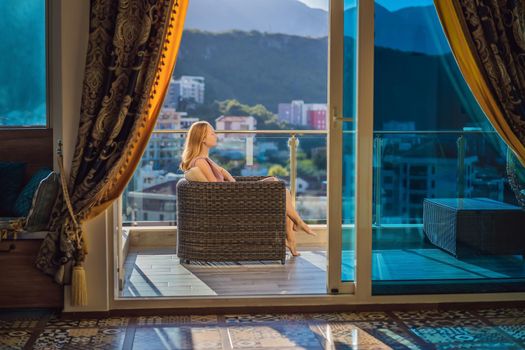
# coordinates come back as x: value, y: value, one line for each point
x: 11, y: 181
x: 25, y: 198
x: 43, y: 201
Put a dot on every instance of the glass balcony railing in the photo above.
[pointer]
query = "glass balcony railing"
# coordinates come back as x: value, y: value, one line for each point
x: 408, y: 167
x: 412, y: 165
x: 298, y: 157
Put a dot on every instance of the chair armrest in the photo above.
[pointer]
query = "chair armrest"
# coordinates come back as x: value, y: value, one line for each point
x: 249, y: 178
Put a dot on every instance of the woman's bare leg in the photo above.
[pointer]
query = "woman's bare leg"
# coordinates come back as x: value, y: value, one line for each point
x: 290, y: 237
x: 294, y: 216
x: 292, y: 213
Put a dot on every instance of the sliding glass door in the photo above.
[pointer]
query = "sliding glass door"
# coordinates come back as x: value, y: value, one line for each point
x: 445, y: 219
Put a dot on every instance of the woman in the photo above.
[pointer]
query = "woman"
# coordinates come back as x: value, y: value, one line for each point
x: 201, y: 137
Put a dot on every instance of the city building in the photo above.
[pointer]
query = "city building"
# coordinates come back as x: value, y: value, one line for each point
x: 297, y: 112
x: 236, y: 123
x: 152, y: 197
x: 186, y: 122
x: 169, y: 119
x: 171, y: 100
x: 192, y: 88
x: 317, y: 118
x: 186, y: 90
x: 284, y: 110
x: 163, y: 150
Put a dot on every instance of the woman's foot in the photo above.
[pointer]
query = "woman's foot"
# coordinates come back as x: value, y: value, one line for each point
x: 302, y: 226
x: 293, y: 249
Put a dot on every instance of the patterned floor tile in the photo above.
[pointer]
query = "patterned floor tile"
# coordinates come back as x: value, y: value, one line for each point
x: 456, y: 331
x: 349, y: 316
x: 177, y: 338
x: 350, y: 336
x: 58, y: 322
x: 273, y: 336
x: 81, y: 338
x: 14, y: 339
x: 387, y: 332
x: 501, y: 312
x: 422, y: 329
x: 434, y: 314
x: 248, y: 318
x: 177, y: 319
x: 480, y: 346
x: 397, y: 340
x: 24, y: 324
x: 514, y: 327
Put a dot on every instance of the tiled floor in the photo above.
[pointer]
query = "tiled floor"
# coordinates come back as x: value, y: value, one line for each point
x: 501, y: 328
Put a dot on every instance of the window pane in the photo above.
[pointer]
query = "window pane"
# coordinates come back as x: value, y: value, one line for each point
x: 445, y: 218
x: 245, y: 70
x: 23, y: 63
x: 349, y: 138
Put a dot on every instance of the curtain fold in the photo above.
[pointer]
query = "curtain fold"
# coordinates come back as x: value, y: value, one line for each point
x: 132, y: 50
x: 487, y: 38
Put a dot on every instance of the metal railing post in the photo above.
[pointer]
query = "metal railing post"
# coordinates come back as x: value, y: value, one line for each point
x: 378, y: 143
x: 293, y: 142
x: 461, y: 143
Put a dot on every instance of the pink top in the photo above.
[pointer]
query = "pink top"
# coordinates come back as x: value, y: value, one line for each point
x: 214, y: 168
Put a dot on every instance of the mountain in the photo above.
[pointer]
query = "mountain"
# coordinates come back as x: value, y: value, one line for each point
x: 255, y: 67
x: 413, y: 29
x: 272, y: 16
x: 268, y: 69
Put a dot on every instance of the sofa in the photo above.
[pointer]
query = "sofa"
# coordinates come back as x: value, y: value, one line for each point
x: 29, y: 152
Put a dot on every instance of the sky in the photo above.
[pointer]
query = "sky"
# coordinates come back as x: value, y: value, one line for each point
x: 391, y: 5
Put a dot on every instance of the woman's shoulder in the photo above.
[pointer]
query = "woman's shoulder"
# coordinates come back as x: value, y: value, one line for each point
x: 194, y: 160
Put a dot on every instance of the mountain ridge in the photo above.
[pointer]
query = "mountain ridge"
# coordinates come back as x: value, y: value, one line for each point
x: 417, y: 29
x: 268, y: 69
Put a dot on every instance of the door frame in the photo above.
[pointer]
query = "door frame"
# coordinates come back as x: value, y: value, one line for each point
x: 364, y: 128
x: 358, y: 291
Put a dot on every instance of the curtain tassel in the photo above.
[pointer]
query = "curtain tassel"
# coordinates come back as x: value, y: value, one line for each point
x: 78, y: 279
x: 79, y: 287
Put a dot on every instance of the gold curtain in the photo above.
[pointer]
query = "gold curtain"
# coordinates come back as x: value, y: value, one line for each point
x: 487, y: 38
x: 132, y: 50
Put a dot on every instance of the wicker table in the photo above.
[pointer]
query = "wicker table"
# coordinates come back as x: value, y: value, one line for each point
x: 462, y: 226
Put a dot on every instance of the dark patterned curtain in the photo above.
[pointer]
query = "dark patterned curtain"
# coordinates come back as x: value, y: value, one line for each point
x: 487, y: 38
x: 516, y: 174
x: 132, y: 50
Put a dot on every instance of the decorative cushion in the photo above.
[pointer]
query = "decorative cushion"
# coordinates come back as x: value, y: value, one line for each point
x: 43, y: 201
x: 25, y: 198
x: 195, y: 174
x: 11, y: 181
x: 10, y: 227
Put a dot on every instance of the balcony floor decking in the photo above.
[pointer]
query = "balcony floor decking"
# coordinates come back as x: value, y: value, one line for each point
x: 157, y: 272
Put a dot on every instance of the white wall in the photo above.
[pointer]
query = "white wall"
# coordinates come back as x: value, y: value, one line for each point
x: 68, y: 37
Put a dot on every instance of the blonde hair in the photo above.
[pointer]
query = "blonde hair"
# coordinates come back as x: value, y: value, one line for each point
x: 193, y: 145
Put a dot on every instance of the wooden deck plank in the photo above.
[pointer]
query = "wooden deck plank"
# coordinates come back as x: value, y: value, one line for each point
x: 157, y: 272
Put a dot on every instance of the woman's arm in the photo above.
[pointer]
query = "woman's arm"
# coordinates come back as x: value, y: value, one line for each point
x: 203, y: 165
x: 227, y: 175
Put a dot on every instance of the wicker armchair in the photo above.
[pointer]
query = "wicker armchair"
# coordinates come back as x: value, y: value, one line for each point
x: 231, y: 221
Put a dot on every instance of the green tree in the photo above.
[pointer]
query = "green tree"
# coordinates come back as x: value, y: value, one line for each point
x: 265, y: 118
x: 278, y: 170
x: 306, y: 167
